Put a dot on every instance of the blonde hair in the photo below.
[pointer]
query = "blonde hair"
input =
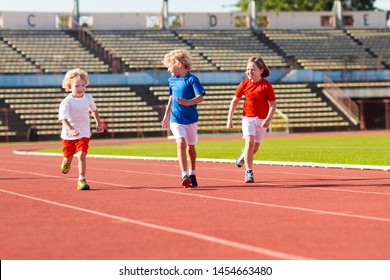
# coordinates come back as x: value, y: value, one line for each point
x: 261, y: 64
x: 178, y: 56
x: 71, y: 75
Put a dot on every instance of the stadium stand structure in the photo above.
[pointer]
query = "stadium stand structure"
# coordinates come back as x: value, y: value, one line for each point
x: 5, y: 131
x: 372, y: 97
x: 229, y: 49
x: 12, y: 62
x: 324, y: 49
x: 56, y: 51
x: 375, y: 41
x: 137, y: 110
x: 145, y: 49
x: 302, y: 107
x: 126, y: 113
x: 51, y: 51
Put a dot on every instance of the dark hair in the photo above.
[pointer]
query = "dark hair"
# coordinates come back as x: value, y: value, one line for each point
x: 260, y: 63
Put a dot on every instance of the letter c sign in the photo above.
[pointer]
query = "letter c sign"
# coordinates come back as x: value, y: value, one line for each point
x: 29, y: 20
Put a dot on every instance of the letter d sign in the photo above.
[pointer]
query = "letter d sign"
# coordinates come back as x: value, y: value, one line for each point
x: 213, y: 20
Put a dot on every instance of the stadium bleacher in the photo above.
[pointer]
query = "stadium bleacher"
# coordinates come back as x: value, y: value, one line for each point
x: 12, y: 62
x: 376, y: 41
x: 229, y: 49
x: 52, y: 51
x: 323, y: 49
x: 5, y: 132
x: 304, y: 109
x: 145, y: 49
x: 125, y: 112
x: 136, y: 111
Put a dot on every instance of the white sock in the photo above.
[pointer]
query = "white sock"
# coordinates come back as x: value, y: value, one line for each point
x: 81, y: 177
x: 184, y: 173
x: 192, y: 172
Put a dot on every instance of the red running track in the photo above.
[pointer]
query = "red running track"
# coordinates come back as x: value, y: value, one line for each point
x: 137, y: 210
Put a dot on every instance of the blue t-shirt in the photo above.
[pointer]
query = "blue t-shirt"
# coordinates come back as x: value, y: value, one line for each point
x: 186, y: 87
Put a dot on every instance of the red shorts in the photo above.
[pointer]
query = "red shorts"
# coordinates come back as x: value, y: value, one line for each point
x: 70, y: 147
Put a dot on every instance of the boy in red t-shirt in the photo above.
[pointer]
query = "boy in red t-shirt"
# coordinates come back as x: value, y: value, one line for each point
x: 259, y: 108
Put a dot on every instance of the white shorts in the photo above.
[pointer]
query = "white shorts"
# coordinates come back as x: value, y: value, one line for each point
x: 186, y: 131
x: 252, y: 127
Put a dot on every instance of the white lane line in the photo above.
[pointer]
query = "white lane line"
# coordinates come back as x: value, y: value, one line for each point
x: 373, y: 218
x: 311, y: 187
x: 257, y: 162
x: 310, y: 210
x: 204, y: 237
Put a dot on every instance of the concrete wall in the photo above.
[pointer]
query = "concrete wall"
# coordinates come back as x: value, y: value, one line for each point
x: 305, y: 20
x: 161, y: 77
x: 281, y: 20
x: 24, y: 20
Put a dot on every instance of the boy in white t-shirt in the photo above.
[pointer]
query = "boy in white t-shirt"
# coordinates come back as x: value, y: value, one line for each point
x: 74, y: 116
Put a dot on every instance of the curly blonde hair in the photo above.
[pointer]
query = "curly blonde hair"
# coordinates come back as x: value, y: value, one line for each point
x: 178, y: 56
x: 71, y: 75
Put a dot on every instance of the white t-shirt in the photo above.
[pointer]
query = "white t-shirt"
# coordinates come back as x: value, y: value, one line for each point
x: 76, y: 111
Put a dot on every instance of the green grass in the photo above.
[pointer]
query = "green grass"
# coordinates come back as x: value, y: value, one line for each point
x: 362, y: 149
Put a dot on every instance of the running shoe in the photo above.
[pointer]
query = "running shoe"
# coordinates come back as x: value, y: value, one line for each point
x: 249, y: 176
x: 194, y: 183
x: 240, y: 160
x: 186, y: 181
x: 65, y: 167
x: 82, y: 185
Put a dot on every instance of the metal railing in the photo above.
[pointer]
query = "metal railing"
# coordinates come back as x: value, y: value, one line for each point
x: 343, y: 102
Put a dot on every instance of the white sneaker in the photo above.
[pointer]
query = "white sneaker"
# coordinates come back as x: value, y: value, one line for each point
x: 249, y: 176
x: 240, y: 160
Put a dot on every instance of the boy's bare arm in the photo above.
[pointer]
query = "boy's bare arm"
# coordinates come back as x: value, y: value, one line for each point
x: 232, y: 109
x: 185, y: 102
x: 165, y: 120
x: 69, y: 127
x: 271, y: 112
x: 96, y: 116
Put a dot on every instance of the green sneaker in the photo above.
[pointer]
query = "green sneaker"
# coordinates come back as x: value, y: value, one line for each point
x: 65, y: 167
x: 82, y: 185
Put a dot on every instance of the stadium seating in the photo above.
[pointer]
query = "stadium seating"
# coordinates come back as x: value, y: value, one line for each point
x: 145, y: 49
x: 137, y: 111
x: 230, y: 49
x: 12, y: 62
x: 56, y: 51
x: 52, y: 51
x: 300, y: 106
x: 376, y: 40
x: 323, y: 49
x: 5, y: 131
x: 125, y: 112
x: 132, y: 112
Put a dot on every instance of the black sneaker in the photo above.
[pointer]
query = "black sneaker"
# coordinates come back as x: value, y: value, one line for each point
x: 194, y: 183
x: 186, y: 181
x: 249, y: 176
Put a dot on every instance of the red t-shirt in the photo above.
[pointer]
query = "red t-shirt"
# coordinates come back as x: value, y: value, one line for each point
x: 257, y: 97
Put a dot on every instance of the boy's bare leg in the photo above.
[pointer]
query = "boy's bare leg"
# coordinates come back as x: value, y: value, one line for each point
x: 249, y: 149
x: 82, y: 162
x: 191, y: 151
x: 191, y: 156
x: 257, y: 146
x: 69, y: 159
x: 181, y: 154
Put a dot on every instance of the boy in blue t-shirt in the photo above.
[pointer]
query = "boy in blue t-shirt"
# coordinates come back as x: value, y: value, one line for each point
x: 185, y: 91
